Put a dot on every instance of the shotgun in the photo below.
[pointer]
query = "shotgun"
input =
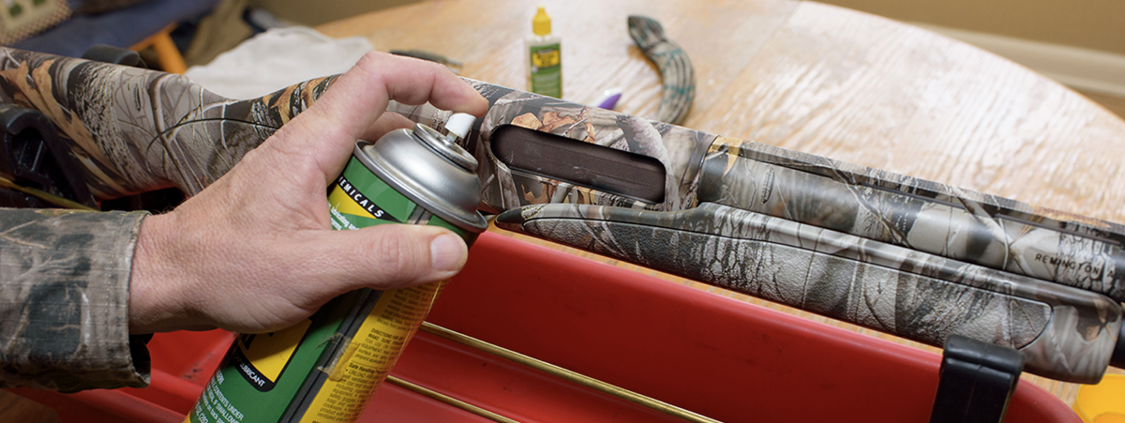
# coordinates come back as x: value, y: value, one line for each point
x: 905, y: 256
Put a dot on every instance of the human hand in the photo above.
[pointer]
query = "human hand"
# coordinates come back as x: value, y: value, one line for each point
x: 255, y: 252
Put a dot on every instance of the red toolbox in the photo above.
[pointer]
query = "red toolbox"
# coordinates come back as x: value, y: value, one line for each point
x: 710, y: 354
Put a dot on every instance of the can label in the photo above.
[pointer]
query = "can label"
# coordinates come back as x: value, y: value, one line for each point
x: 262, y: 373
x: 371, y: 354
x: 350, y: 208
x: 326, y: 368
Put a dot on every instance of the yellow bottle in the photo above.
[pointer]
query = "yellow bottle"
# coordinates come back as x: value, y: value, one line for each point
x: 544, y: 65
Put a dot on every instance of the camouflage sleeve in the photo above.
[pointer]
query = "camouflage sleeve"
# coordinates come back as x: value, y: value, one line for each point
x: 64, y: 290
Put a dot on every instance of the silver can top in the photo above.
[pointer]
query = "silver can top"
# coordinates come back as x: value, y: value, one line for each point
x: 445, y: 147
x: 430, y: 170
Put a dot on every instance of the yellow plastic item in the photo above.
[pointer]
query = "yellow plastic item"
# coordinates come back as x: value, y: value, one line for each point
x: 541, y: 23
x: 166, y: 52
x: 1102, y: 403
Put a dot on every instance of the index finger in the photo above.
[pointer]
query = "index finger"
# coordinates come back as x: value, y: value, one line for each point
x: 329, y: 128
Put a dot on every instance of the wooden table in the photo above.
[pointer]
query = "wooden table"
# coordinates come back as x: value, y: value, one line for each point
x: 813, y: 78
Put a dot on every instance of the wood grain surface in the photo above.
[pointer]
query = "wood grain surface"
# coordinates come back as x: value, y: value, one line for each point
x: 808, y: 77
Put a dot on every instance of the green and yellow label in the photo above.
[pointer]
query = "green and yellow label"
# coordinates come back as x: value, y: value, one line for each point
x: 262, y: 373
x: 372, y: 353
x: 359, y: 199
x: 262, y: 357
x: 546, y: 57
x: 546, y: 70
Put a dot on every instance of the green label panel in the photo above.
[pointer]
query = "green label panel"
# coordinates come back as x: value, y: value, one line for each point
x: 546, y: 70
x: 261, y: 373
x: 360, y: 199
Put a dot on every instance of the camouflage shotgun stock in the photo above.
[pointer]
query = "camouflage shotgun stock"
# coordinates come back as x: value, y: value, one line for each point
x: 136, y: 130
x: 897, y: 254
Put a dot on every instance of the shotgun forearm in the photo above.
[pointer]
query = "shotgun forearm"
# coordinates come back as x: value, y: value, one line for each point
x: 910, y: 257
x: 904, y: 292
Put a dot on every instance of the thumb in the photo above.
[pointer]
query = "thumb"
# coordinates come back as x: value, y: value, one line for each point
x: 390, y: 256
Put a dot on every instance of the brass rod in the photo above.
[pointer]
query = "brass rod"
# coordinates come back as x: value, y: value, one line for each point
x: 566, y: 374
x: 45, y: 196
x: 449, y: 400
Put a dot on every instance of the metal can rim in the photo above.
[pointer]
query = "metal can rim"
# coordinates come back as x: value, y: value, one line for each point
x: 472, y: 221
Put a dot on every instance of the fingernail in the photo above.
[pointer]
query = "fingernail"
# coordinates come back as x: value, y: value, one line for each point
x: 448, y: 252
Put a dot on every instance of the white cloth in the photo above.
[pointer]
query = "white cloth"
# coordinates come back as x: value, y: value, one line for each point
x: 276, y: 59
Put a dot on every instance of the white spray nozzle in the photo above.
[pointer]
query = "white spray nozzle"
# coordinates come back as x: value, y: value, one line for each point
x: 458, y: 125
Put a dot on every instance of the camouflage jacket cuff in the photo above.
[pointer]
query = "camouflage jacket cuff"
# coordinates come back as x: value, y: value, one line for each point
x: 64, y: 294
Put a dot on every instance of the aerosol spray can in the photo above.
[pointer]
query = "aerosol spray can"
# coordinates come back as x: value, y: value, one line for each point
x: 326, y: 368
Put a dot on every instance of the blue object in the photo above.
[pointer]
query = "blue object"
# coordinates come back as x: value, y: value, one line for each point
x: 120, y: 28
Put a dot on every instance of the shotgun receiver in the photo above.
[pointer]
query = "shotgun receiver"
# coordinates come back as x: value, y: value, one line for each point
x: 893, y: 253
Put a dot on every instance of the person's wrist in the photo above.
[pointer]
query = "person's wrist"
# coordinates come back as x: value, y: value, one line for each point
x: 149, y: 281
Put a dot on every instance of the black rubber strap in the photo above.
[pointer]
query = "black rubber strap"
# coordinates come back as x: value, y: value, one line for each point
x: 976, y: 381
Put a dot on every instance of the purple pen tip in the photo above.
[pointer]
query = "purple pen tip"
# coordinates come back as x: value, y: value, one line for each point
x: 608, y: 99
